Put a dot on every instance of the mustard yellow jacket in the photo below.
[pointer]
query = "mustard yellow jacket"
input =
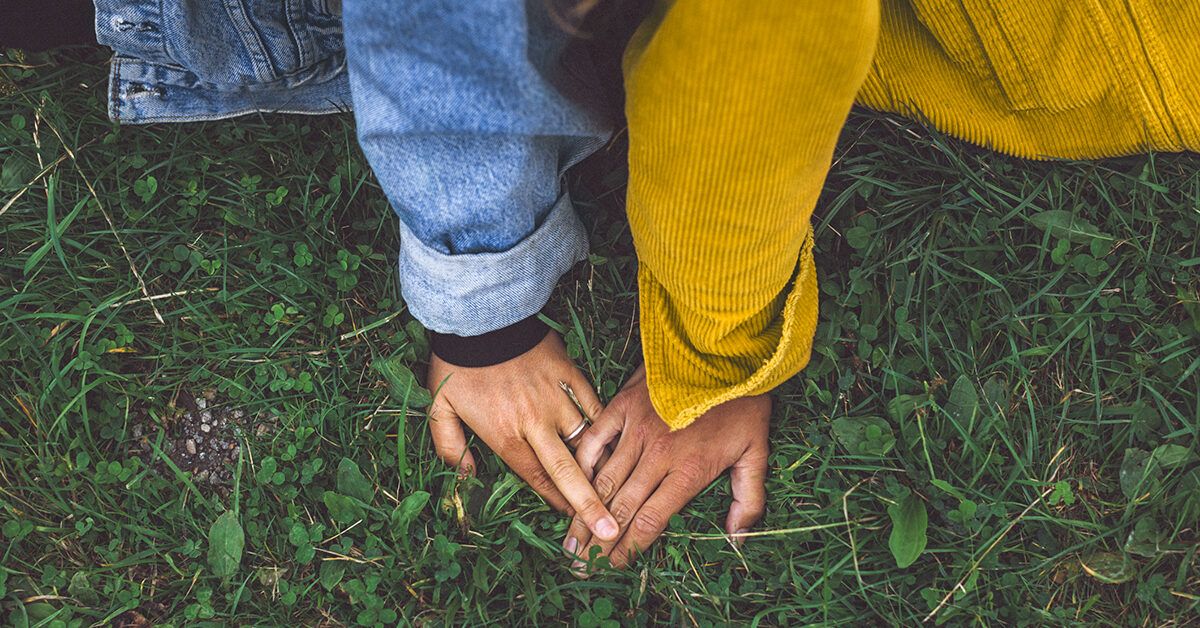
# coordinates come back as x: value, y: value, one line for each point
x: 734, y: 109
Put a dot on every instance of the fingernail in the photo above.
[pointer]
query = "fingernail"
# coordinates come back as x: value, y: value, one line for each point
x: 738, y: 538
x: 579, y: 569
x: 571, y: 545
x: 606, y: 528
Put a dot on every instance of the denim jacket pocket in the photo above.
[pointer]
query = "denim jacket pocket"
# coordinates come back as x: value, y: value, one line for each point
x: 248, y: 42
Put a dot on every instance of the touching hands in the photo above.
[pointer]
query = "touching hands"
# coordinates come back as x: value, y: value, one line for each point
x: 653, y: 473
x: 520, y: 410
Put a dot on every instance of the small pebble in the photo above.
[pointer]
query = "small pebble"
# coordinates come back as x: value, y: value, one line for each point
x: 190, y: 445
x: 205, y: 427
x: 206, y: 416
x: 201, y: 403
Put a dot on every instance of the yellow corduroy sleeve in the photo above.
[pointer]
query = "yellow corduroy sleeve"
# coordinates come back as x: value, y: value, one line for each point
x: 734, y: 109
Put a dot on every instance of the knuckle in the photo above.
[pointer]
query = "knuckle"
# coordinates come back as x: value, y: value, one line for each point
x: 605, y: 485
x: 591, y: 510
x: 562, y: 467
x: 659, y: 448
x: 693, y: 471
x: 649, y: 522
x: 621, y: 511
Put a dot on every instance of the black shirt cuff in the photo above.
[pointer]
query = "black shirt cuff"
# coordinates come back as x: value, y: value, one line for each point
x: 37, y: 25
x: 491, y: 348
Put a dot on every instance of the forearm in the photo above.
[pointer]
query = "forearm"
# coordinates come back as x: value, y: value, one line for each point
x: 468, y: 138
x: 734, y: 110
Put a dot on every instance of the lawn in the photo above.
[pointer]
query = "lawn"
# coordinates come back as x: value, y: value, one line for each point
x: 194, y: 424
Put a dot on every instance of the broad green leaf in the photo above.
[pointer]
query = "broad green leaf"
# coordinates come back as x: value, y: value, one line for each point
x: 964, y: 400
x: 16, y: 173
x: 996, y: 394
x: 1173, y: 456
x: 909, y: 522
x: 1144, y: 539
x: 350, y: 481
x: 864, y: 436
x: 1108, y: 567
x: 343, y: 509
x: 82, y: 590
x: 298, y: 534
x: 1066, y: 225
x: 402, y: 383
x: 1138, y: 470
x: 225, y: 544
x: 602, y: 608
x: 406, y: 512
x: 903, y: 405
x: 331, y: 573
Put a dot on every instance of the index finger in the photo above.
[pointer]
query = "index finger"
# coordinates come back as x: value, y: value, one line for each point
x: 651, y: 519
x: 557, y: 460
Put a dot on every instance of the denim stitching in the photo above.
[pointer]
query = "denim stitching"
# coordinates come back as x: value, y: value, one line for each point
x: 251, y: 39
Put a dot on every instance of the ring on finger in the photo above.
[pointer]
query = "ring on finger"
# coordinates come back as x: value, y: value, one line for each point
x: 583, y: 425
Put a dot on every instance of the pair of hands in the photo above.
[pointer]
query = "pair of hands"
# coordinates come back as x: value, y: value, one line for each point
x: 628, y: 475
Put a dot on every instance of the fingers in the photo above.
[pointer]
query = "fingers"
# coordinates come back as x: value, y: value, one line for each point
x: 522, y: 459
x: 629, y: 499
x: 572, y: 427
x: 571, y: 482
x: 585, y: 394
x: 449, y: 440
x: 577, y: 543
x: 651, y: 519
x: 580, y: 391
x: 616, y: 470
x: 591, y: 446
x: 748, y: 484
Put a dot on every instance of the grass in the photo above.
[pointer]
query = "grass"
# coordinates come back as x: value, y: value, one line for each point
x: 1028, y: 379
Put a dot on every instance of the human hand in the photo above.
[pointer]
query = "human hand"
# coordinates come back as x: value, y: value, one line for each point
x: 519, y: 409
x: 653, y: 473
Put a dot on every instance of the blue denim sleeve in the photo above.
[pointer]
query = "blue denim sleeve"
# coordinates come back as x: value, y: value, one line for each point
x: 468, y: 120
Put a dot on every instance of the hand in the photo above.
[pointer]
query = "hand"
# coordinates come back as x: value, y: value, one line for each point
x: 653, y: 473
x: 520, y: 410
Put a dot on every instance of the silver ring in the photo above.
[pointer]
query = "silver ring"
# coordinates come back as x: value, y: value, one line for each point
x: 583, y: 425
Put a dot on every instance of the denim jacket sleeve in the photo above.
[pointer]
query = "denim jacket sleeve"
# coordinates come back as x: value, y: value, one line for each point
x: 468, y: 120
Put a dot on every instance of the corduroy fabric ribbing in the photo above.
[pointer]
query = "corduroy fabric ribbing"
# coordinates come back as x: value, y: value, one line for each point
x: 1076, y: 79
x: 733, y: 113
x: 734, y: 108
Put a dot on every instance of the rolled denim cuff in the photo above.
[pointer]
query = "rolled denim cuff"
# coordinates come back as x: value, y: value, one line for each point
x: 476, y: 293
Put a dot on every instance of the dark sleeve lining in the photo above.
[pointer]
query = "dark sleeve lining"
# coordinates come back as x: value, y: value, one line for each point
x: 37, y: 25
x: 491, y: 348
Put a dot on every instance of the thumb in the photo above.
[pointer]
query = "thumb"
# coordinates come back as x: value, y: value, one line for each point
x: 748, y: 483
x: 449, y: 440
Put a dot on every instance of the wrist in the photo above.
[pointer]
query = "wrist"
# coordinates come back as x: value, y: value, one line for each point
x: 490, y: 348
